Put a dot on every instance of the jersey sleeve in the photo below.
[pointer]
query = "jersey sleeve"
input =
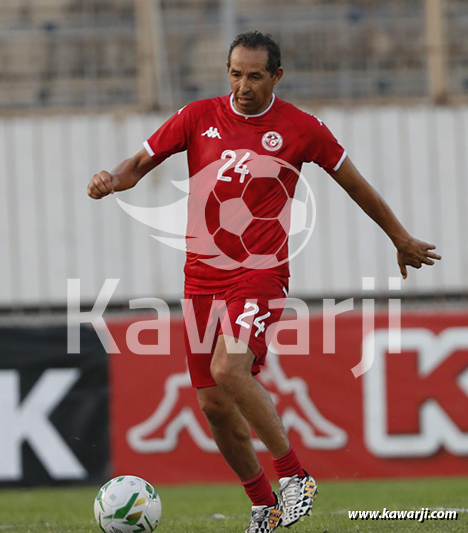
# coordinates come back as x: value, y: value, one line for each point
x: 170, y: 138
x: 321, y: 146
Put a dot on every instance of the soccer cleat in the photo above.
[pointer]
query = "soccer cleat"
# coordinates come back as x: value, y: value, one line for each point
x: 298, y: 494
x: 265, y: 519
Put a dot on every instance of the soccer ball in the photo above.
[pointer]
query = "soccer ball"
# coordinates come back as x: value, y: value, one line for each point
x: 127, y: 504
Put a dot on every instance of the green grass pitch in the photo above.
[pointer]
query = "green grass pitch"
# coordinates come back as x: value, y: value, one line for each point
x: 188, y: 509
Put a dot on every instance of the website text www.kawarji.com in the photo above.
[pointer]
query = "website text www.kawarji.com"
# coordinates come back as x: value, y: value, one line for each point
x: 419, y: 516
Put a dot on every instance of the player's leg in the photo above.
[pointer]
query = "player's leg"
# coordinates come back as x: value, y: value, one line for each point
x: 233, y: 373
x: 228, y: 427
x: 230, y: 431
x: 232, y: 435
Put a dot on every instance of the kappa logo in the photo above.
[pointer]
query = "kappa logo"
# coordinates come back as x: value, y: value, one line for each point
x: 172, y: 417
x: 434, y: 392
x: 212, y: 133
x: 272, y: 141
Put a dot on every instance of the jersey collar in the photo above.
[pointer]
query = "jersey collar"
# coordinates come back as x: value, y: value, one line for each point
x: 234, y: 110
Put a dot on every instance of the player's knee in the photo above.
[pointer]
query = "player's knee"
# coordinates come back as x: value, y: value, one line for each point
x: 226, y: 375
x: 214, y: 409
x: 229, y: 370
x: 219, y: 371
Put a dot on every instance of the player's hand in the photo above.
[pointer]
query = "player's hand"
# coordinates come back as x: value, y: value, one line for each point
x: 102, y: 185
x: 415, y: 253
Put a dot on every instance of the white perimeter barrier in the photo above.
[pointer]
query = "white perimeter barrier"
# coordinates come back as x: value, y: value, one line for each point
x: 416, y: 157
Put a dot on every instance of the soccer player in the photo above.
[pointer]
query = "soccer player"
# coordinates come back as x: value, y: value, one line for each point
x: 225, y: 138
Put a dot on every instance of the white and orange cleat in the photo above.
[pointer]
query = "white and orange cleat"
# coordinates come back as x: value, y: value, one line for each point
x: 265, y: 519
x: 298, y: 495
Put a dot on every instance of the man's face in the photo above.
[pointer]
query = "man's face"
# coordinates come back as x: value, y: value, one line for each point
x: 251, y: 84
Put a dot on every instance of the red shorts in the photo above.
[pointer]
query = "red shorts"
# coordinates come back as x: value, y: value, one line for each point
x: 246, y: 315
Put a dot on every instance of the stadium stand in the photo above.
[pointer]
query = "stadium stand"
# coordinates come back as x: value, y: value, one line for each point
x: 67, y: 53
x: 86, y: 53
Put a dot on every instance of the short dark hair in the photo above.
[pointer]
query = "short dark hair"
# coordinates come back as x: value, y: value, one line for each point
x: 256, y: 39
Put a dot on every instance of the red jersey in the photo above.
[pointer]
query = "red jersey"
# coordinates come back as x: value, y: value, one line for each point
x: 243, y: 172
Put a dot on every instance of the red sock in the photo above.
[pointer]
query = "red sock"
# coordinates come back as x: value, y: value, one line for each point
x: 288, y: 465
x: 259, y: 490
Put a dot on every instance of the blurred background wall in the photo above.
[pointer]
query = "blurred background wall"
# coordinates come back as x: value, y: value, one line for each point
x: 84, y: 82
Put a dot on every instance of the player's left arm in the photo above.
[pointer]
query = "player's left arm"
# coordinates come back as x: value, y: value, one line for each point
x: 410, y: 251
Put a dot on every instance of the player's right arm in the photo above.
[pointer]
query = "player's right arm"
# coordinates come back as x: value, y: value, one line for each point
x: 123, y: 177
x: 169, y: 139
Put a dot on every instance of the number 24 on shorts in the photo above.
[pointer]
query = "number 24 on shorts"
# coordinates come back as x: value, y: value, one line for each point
x: 253, y: 309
